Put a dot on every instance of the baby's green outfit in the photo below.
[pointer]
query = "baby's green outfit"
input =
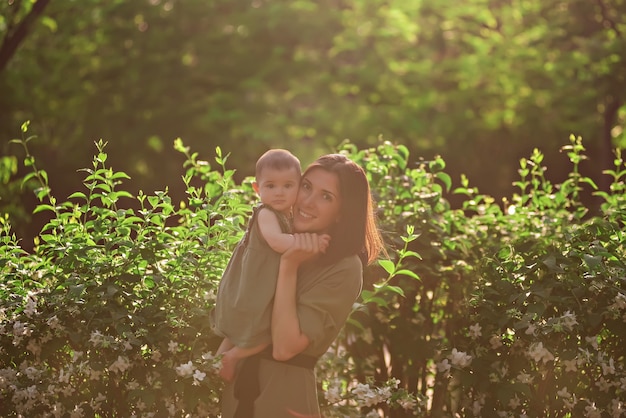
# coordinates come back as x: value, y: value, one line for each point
x: 243, y: 307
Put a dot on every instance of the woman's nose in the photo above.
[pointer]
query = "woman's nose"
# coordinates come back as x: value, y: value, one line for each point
x: 306, y: 200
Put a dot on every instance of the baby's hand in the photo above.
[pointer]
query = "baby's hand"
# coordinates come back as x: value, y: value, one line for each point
x: 229, y: 366
x: 324, y: 242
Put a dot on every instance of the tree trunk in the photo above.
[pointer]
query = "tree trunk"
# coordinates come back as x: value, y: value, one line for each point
x: 16, y: 35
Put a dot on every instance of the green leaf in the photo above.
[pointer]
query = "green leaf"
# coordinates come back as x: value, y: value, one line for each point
x: 76, y: 195
x: 41, y: 208
x: 394, y: 289
x: 446, y: 179
x: 388, y: 265
x: 407, y: 273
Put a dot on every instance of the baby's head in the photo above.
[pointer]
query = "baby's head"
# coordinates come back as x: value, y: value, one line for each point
x: 278, y: 175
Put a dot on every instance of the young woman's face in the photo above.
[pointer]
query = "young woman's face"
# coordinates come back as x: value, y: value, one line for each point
x: 318, y: 203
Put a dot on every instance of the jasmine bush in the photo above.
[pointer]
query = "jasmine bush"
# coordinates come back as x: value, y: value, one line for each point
x: 519, y: 307
x: 513, y: 308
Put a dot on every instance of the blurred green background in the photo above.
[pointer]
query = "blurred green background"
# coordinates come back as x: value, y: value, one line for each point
x: 479, y: 82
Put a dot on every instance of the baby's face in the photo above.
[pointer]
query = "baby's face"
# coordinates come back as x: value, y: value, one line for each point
x: 278, y: 188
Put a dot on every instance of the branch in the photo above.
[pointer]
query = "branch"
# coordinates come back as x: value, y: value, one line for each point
x: 16, y: 37
x: 605, y: 17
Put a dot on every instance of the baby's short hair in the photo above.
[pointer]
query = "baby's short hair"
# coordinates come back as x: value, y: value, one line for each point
x: 278, y: 159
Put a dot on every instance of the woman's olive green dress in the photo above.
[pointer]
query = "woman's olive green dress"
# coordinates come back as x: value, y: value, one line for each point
x: 325, y: 295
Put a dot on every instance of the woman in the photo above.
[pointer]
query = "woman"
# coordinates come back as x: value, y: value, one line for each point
x: 314, y: 293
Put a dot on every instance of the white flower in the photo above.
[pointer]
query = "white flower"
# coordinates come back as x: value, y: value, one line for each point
x: 54, y: 323
x: 514, y: 402
x: 525, y: 378
x: 185, y: 370
x: 333, y: 392
x: 608, y: 368
x: 568, y: 320
x: 34, y: 347
x: 531, y: 330
x: 132, y: 385
x: 94, y: 374
x: 31, y: 304
x: 63, y: 378
x: 591, y: 411
x: 593, y: 341
x: 366, y: 395
x: 77, y: 412
x: 563, y: 393
x: 408, y: 404
x: 474, y: 331
x: 620, y: 302
x: 172, y: 346
x: 96, y: 403
x: 539, y: 353
x: 198, y: 377
x: 120, y: 365
x: 30, y: 371
x: 20, y: 329
x: 96, y: 338
x: 617, y: 408
x: 570, y: 365
x: 443, y: 366
x: 603, y: 384
x: 459, y: 358
x: 569, y: 403
x: 495, y: 342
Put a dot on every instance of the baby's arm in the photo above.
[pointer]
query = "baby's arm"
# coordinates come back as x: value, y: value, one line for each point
x: 276, y: 238
x: 272, y: 233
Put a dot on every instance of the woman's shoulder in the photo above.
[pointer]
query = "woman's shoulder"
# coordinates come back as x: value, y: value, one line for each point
x: 351, y: 262
x: 350, y: 265
x: 347, y: 271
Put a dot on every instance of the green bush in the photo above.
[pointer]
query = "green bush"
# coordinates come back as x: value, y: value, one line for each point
x: 518, y: 309
x: 494, y: 309
x: 109, y: 315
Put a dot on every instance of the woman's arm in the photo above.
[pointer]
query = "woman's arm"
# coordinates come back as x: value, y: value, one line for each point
x: 287, y: 337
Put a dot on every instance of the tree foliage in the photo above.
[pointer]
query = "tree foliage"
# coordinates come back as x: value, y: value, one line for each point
x: 481, y: 83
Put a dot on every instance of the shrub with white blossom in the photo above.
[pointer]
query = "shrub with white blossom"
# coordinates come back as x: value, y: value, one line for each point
x: 507, y: 309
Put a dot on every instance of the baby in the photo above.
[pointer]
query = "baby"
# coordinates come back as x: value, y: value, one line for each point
x: 243, y: 307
